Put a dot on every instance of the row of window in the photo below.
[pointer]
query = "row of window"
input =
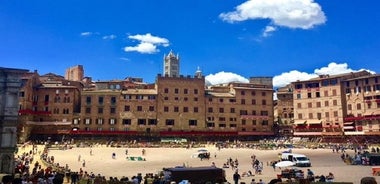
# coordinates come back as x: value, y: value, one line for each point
x: 366, y: 89
x: 318, y: 104
x: 366, y: 82
x: 326, y: 82
x: 185, y: 91
x: 101, y: 100
x: 369, y: 106
x: 126, y: 129
x: 317, y: 94
x: 317, y: 115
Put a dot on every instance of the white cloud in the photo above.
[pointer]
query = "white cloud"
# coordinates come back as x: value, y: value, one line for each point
x: 294, y: 75
x: 86, y: 34
x: 304, y: 14
x: 109, y: 37
x: 268, y: 30
x: 145, y: 48
x: 224, y: 77
x: 148, y: 43
x: 288, y: 77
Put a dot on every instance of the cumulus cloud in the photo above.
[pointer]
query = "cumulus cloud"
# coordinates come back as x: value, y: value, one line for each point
x: 268, y: 30
x: 224, y: 77
x: 302, y: 14
x: 109, y: 37
x: 148, y: 43
x: 294, y: 75
x: 86, y: 33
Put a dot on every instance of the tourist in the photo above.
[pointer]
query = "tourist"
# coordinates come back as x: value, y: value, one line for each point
x: 330, y: 177
x: 236, y: 177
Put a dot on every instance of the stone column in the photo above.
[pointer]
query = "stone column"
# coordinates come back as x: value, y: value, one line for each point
x: 10, y: 84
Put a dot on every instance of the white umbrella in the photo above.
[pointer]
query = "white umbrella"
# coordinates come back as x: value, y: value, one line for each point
x: 202, y: 150
x: 284, y: 164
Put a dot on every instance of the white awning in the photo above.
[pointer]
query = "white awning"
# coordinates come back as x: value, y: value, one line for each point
x: 299, y: 122
x: 348, y: 127
x: 348, y: 123
x: 313, y: 121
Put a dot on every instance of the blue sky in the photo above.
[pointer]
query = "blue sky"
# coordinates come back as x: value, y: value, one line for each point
x: 228, y: 40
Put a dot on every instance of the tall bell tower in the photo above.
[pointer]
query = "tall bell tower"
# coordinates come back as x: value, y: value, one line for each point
x: 171, y: 65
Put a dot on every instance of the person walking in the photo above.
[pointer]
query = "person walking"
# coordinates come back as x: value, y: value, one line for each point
x: 236, y: 177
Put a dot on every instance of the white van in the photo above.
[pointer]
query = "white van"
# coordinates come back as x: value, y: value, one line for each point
x: 299, y: 160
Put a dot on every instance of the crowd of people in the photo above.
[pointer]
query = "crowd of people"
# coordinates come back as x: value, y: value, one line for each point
x: 29, y: 170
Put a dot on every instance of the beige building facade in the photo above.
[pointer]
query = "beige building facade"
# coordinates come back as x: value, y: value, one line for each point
x: 319, y: 104
x: 362, y: 96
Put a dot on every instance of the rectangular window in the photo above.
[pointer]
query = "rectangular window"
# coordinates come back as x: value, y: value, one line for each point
x: 127, y: 108
x: 195, y: 91
x: 101, y: 100
x: 327, y: 115
x: 127, y: 121
x: 318, y: 104
x: 112, y: 110
x: 139, y: 108
x: 358, y: 106
x: 253, y: 102
x: 325, y: 93
x: 195, y: 109
x: 299, y: 96
x: 87, y: 121
x: 88, y: 110
x: 127, y: 97
x: 152, y: 122
x: 209, y: 109
x: 185, y: 91
x: 141, y: 121
x: 176, y: 109
x: 310, y: 115
x: 264, y: 113
x: 113, y: 100
x: 242, y: 101
x: 88, y: 100
x: 265, y: 122
x: 100, y: 110
x: 308, y: 95
x: 221, y: 110
x: 299, y: 105
x: 232, y: 110
x: 263, y: 94
x: 169, y: 122
x: 151, y: 108
x: 264, y: 102
x: 309, y: 105
x: 99, y: 121
x: 176, y: 90
x: 349, y: 107
x: 166, y: 109
x: 335, y: 102
x: 112, y: 121
x: 326, y: 103
x: 192, y: 122
x: 166, y: 90
x: 185, y: 109
x: 319, y: 115
x: 299, y: 116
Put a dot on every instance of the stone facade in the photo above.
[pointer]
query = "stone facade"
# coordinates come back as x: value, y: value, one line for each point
x: 10, y: 83
x: 320, y: 104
